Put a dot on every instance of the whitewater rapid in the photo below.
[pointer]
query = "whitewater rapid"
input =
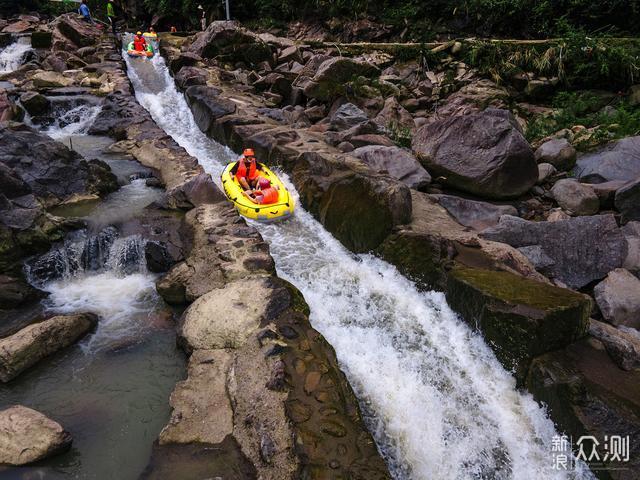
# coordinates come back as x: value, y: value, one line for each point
x: 437, y: 401
x: 12, y: 55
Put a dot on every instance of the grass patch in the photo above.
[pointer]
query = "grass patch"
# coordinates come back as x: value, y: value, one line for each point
x: 608, y: 115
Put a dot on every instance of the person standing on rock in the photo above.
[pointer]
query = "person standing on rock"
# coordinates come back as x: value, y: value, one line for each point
x: 111, y: 15
x: 84, y: 11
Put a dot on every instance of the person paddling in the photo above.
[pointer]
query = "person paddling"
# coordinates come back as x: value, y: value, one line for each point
x: 247, y: 169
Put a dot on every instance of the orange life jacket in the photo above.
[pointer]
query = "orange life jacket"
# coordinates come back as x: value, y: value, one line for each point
x: 139, y: 43
x: 242, y: 172
x: 269, y: 195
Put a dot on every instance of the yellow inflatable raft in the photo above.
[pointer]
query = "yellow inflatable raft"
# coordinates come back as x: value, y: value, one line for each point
x: 280, y: 210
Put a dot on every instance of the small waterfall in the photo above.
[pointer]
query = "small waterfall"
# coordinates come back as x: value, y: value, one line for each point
x: 82, y: 254
x: 13, y: 55
x: 75, y: 121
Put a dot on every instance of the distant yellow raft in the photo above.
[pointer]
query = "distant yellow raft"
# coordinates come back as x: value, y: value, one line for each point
x: 280, y: 210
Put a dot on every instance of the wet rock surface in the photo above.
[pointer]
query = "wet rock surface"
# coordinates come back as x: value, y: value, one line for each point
x: 27, y: 436
x: 587, y: 394
x: 519, y: 318
x: 35, y: 342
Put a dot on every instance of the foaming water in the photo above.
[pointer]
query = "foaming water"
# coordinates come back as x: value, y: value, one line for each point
x: 156, y: 91
x: 434, y: 396
x: 75, y: 121
x: 11, y: 56
x: 122, y: 302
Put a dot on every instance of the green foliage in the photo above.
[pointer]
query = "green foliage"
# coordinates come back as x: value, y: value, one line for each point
x: 421, y: 20
x: 576, y: 60
x: 400, y: 135
x: 611, y: 117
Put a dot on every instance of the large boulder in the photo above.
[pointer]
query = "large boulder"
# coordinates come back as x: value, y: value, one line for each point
x: 207, y: 105
x: 518, y: 317
x: 627, y: 201
x: 474, y: 214
x: 619, y: 160
x: 618, y: 297
x: 395, y: 117
x: 583, y: 249
x: 47, y: 79
x: 587, y: 394
x: 228, y: 41
x: 35, y: 103
x: 558, y: 152
x: 53, y: 172
x: 396, y: 162
x: 622, y: 346
x: 225, y: 317
x: 347, y: 116
x: 27, y: 436
x: 188, y: 76
x: 71, y: 28
x: 575, y: 198
x: 482, y: 153
x: 360, y: 208
x: 201, y: 407
x: 330, y: 79
x: 39, y: 340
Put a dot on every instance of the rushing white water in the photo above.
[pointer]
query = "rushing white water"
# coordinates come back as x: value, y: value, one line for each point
x: 75, y: 121
x: 436, y: 399
x: 12, y: 55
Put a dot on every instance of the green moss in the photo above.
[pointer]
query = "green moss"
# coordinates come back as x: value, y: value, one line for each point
x: 513, y: 289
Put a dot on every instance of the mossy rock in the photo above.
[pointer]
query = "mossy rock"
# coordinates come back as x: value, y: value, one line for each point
x: 519, y: 318
x: 422, y: 258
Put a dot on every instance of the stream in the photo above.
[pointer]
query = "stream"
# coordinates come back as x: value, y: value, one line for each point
x: 12, y: 55
x: 111, y: 390
x: 439, y: 404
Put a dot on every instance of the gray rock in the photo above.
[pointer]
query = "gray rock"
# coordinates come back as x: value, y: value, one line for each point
x: 622, y: 346
x: 395, y: 161
x: 619, y: 160
x: 558, y: 152
x: 229, y: 41
x: 35, y: 103
x: 482, y: 153
x: 575, y: 198
x: 27, y: 436
x: 538, y: 258
x: 188, y: 76
x: 347, y: 116
x: 606, y: 191
x: 618, y: 297
x: 39, y: 340
x: 627, y: 201
x: 545, y: 170
x: 207, y: 105
x: 583, y: 248
x: 474, y: 214
x: 328, y: 82
x: 631, y: 232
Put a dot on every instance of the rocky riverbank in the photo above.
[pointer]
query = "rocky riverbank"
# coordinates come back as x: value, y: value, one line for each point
x: 264, y: 396
x: 430, y: 168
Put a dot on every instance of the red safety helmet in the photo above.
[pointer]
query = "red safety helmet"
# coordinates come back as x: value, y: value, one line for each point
x: 248, y: 152
x: 264, y: 182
